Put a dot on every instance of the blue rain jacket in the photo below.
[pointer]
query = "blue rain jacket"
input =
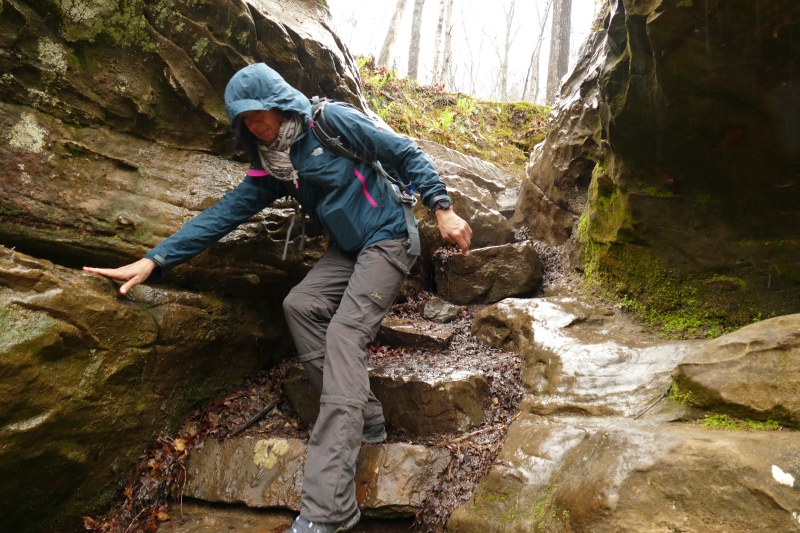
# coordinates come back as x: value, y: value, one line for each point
x: 346, y: 198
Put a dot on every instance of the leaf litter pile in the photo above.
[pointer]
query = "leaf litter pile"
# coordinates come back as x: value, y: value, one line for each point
x: 259, y: 409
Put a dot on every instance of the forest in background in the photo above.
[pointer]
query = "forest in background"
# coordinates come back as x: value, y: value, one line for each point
x: 508, y: 52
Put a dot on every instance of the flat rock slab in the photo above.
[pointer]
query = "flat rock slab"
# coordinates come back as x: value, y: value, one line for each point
x: 486, y: 275
x: 580, y: 358
x: 624, y: 478
x: 437, y: 310
x: 753, y: 372
x: 438, y: 402
x: 415, y: 333
x: 391, y: 479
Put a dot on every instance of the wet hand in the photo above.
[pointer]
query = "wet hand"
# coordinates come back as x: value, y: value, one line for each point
x: 454, y: 229
x: 134, y: 274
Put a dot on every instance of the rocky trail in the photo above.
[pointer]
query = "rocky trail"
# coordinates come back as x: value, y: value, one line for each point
x: 618, y: 352
x: 447, y: 409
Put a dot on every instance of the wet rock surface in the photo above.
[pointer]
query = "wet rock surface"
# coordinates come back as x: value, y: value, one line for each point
x: 419, y: 333
x: 580, y: 357
x: 88, y: 377
x: 750, y: 373
x: 440, y: 311
x: 418, y: 405
x: 391, y: 479
x: 585, y: 454
x: 619, y: 477
x: 486, y: 275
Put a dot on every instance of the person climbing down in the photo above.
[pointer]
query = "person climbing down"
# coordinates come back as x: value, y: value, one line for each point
x: 335, y: 312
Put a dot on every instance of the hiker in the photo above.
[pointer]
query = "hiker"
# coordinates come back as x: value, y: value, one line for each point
x: 335, y: 312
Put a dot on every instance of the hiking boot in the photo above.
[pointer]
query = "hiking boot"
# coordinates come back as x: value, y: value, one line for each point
x: 374, y: 434
x: 301, y: 525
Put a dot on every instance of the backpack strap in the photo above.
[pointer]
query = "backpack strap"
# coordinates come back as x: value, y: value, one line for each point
x: 330, y: 139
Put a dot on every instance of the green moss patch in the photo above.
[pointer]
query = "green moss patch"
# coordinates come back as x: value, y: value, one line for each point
x: 724, y: 422
x: 501, y: 132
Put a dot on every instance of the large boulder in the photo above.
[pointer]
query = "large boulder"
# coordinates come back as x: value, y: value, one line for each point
x: 752, y: 373
x: 579, y: 357
x: 620, y: 478
x: 486, y: 275
x: 391, y: 479
x: 89, y: 378
x: 677, y: 131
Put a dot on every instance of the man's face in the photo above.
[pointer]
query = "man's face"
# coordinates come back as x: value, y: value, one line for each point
x: 263, y: 124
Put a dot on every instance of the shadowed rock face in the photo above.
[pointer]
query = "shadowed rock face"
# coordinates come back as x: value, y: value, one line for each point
x: 678, y: 132
x: 88, y: 379
x: 751, y: 373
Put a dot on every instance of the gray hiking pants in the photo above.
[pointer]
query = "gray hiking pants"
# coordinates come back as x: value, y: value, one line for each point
x: 333, y: 314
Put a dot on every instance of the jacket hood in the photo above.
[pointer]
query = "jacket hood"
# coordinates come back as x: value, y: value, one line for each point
x: 258, y: 88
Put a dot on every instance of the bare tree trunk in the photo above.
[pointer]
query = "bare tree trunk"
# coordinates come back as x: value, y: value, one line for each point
x: 413, y: 49
x: 533, y: 70
x: 437, y: 47
x: 386, y: 50
x: 445, y: 75
x: 559, y: 47
x: 507, y: 46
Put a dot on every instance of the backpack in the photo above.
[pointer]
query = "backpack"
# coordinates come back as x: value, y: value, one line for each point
x: 402, y: 190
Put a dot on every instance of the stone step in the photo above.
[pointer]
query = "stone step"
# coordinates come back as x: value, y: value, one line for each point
x: 416, y: 333
x: 441, y: 401
x: 391, y: 479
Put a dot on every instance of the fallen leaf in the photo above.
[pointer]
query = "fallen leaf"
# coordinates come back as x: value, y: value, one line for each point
x: 180, y: 445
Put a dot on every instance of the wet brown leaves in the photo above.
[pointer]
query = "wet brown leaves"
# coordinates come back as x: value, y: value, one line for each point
x: 161, y: 470
x: 474, y: 453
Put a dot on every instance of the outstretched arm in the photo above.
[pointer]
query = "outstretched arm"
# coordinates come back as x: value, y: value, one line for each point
x: 253, y: 195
